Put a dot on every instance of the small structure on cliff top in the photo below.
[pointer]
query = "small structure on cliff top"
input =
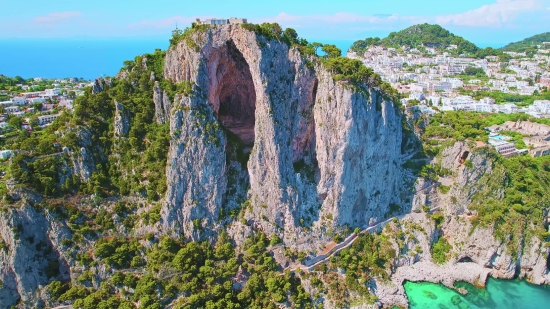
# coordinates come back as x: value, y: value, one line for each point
x: 222, y: 21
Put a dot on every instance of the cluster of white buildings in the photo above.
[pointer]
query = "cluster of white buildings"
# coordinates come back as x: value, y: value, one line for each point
x: 432, y: 103
x: 432, y: 71
x: 22, y: 104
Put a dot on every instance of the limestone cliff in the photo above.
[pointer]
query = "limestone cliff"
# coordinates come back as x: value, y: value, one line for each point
x: 29, y: 256
x: 320, y: 153
x: 476, y: 252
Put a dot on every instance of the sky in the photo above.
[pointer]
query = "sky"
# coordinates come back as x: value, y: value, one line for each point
x: 484, y: 22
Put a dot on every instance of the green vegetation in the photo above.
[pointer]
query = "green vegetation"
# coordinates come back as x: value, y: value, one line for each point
x: 369, y: 256
x: 143, y: 151
x: 416, y: 36
x: 190, y: 274
x: 473, y: 71
x: 517, y: 138
x: 427, y: 35
x: 516, y: 216
x: 529, y: 44
x: 440, y: 250
x: 446, y: 128
x: 501, y: 97
x: 513, y: 198
x: 354, y: 72
x: 179, y: 35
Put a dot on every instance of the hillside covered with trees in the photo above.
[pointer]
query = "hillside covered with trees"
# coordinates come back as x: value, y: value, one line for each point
x: 426, y: 35
x: 529, y: 44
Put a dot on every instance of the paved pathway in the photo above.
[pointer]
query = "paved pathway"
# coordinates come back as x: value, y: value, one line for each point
x: 336, y: 248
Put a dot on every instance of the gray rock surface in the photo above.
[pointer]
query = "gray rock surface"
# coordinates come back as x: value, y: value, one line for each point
x: 321, y: 152
x: 121, y: 121
x: 29, y: 259
x: 83, y: 160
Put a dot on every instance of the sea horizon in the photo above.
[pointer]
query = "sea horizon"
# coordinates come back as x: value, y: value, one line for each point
x: 90, y: 58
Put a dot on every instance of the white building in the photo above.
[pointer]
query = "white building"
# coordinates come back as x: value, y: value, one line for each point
x: 222, y: 21
x: 52, y: 92
x: 508, y: 108
x: 504, y: 148
x: 42, y: 120
x: 5, y: 154
x: 18, y: 100
x: 12, y: 109
x: 487, y: 101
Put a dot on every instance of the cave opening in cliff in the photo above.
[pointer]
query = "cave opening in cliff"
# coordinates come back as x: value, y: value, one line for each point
x: 465, y: 259
x: 236, y: 94
x: 464, y: 156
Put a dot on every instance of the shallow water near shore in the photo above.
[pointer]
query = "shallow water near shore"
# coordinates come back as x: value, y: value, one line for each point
x: 498, y: 294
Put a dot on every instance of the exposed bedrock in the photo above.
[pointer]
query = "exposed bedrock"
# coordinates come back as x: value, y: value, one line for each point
x: 316, y: 152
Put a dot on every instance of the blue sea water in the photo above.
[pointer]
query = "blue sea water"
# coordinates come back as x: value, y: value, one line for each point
x: 502, y: 294
x: 86, y: 58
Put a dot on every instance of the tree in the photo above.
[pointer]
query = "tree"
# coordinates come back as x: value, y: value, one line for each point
x: 19, y: 80
x: 316, y: 46
x: 291, y: 35
x: 331, y: 51
x: 33, y: 122
x: 37, y: 106
x: 15, y: 122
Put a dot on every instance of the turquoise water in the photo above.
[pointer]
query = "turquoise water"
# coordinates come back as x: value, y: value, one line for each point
x: 498, y: 294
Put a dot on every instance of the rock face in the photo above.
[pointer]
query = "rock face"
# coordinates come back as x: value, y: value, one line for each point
x: 83, y: 160
x: 476, y: 253
x: 99, y: 85
x: 162, y: 104
x: 319, y: 152
x: 122, y: 120
x: 29, y: 256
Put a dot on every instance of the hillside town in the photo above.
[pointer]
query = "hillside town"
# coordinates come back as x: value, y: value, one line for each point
x: 432, y: 77
x: 38, y: 101
x: 432, y: 80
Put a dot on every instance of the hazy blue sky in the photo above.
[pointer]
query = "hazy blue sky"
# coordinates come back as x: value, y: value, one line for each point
x: 481, y: 21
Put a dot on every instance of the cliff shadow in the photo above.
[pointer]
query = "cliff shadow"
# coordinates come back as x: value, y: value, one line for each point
x: 232, y: 93
x: 232, y: 96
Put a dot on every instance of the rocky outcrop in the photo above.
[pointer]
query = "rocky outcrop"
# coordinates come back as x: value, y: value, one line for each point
x: 121, y: 121
x: 476, y: 253
x: 98, y: 86
x: 162, y: 103
x: 83, y: 159
x: 196, y: 171
x: 29, y: 258
x: 322, y: 154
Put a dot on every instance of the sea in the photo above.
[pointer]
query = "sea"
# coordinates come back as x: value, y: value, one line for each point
x: 501, y: 294
x: 81, y: 58
x: 86, y: 58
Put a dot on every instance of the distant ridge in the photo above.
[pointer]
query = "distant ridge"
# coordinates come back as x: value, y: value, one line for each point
x: 417, y: 35
x: 429, y: 36
x: 528, y: 44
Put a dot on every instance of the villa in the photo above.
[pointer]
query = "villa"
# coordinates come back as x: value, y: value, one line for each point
x: 222, y: 21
